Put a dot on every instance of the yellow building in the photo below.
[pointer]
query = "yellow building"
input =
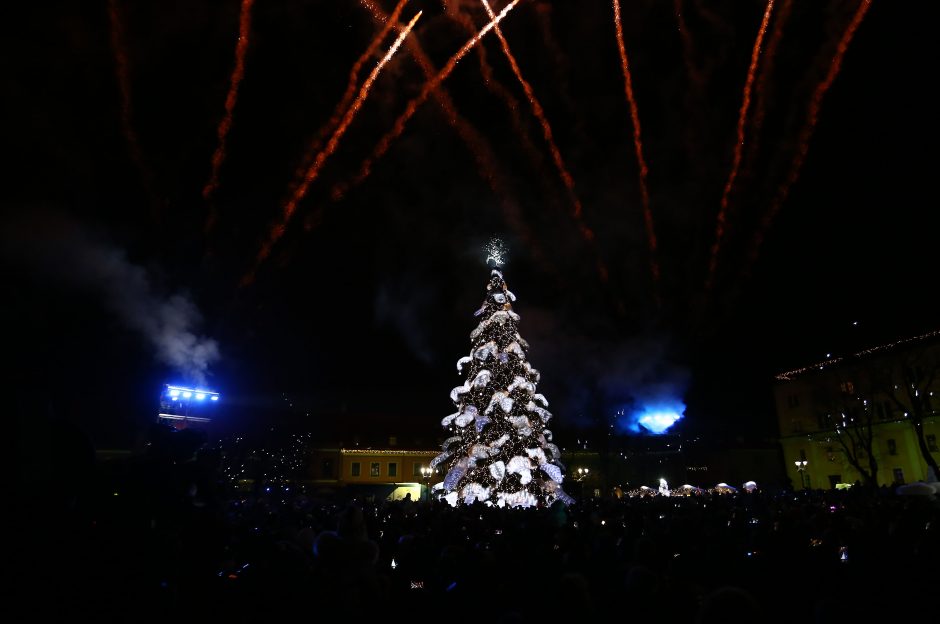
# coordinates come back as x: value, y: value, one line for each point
x: 401, y: 471
x: 396, y: 472
x: 868, y: 403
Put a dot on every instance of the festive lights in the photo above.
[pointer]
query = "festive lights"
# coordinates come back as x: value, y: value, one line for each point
x: 499, y: 450
x: 787, y: 376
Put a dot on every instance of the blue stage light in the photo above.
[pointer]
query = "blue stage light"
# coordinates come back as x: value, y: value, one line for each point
x: 215, y: 397
x: 174, y: 393
x: 200, y: 396
x: 187, y: 395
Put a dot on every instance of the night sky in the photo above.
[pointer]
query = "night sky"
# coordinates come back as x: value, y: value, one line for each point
x: 366, y: 302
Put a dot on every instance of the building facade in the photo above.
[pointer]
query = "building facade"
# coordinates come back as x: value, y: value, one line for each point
x: 862, y: 418
x: 390, y: 472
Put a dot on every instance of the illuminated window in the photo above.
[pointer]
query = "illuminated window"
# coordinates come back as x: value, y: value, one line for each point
x: 375, y: 470
x: 847, y: 387
x: 892, y: 447
x: 393, y: 469
x: 356, y: 469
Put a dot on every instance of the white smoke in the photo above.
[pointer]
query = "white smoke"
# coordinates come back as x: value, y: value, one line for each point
x: 59, y: 249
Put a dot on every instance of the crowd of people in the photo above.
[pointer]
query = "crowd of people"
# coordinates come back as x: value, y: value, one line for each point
x: 161, y: 536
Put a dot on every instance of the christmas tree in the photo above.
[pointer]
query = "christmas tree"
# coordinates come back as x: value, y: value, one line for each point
x: 499, y: 450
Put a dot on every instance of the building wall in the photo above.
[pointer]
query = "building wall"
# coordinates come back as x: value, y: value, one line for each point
x: 802, y: 397
x: 407, y: 464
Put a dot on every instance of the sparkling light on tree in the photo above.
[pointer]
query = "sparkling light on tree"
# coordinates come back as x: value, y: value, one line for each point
x: 499, y: 451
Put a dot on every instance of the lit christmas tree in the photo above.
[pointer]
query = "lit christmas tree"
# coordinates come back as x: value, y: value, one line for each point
x: 500, y: 450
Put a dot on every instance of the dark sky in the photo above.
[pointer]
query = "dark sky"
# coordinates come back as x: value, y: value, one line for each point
x: 368, y: 306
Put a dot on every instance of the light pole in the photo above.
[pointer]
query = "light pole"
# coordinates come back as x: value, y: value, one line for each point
x: 426, y: 476
x: 582, y: 475
x: 801, y: 467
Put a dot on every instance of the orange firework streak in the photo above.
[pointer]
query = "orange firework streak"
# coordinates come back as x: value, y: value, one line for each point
x: 638, y: 147
x: 763, y: 77
x: 350, y: 92
x: 120, y: 64
x: 539, y: 113
x: 278, y: 230
x: 479, y: 148
x: 806, y: 132
x: 738, y: 147
x: 512, y: 104
x: 558, y: 62
x: 244, y: 28
x: 399, y: 127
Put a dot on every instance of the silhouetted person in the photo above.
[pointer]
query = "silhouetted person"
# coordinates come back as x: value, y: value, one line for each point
x: 345, y: 563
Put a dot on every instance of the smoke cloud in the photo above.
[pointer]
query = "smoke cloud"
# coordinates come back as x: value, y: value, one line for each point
x: 59, y: 249
x: 636, y: 385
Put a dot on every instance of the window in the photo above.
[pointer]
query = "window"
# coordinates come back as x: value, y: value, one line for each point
x: 393, y: 469
x: 830, y: 453
x: 802, y: 454
x: 932, y: 443
x: 326, y: 469
x: 356, y: 469
x: 892, y: 446
x: 793, y: 400
x: 847, y: 387
x: 889, y: 410
x: 416, y: 469
x: 375, y: 470
x: 899, y: 475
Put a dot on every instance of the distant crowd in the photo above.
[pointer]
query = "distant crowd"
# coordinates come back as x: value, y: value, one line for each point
x: 160, y: 536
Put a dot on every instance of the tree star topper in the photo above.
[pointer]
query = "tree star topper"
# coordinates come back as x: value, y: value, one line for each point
x: 496, y: 252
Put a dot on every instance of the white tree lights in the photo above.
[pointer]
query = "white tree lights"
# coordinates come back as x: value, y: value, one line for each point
x: 499, y: 450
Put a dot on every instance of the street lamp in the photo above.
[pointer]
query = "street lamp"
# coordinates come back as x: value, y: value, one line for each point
x: 801, y: 467
x: 426, y: 476
x: 582, y: 474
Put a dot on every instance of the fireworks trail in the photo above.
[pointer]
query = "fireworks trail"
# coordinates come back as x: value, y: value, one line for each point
x: 278, y: 230
x: 350, y: 92
x: 763, y: 78
x: 539, y: 113
x: 399, y: 127
x: 638, y: 146
x: 119, y: 49
x: 244, y: 28
x: 559, y: 62
x: 512, y: 104
x: 738, y: 146
x: 479, y: 148
x: 806, y: 133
